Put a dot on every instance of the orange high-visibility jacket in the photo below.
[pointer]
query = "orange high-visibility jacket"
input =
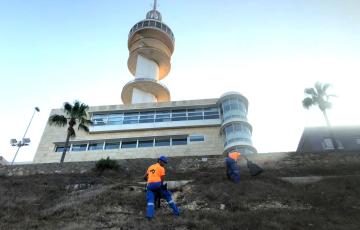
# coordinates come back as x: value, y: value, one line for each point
x: 155, y: 172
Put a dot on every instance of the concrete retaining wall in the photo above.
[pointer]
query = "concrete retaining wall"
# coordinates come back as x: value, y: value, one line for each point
x: 270, y: 161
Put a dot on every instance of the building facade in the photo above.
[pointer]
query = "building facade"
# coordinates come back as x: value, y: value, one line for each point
x: 318, y: 139
x: 149, y: 124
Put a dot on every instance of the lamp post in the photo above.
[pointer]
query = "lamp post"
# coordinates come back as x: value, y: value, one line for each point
x: 24, y: 141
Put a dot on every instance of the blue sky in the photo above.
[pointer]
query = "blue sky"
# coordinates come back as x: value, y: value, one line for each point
x: 56, y: 51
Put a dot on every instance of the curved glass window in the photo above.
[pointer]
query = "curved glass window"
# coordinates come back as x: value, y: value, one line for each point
x: 232, y: 140
x: 233, y: 107
x: 237, y: 129
x: 242, y: 149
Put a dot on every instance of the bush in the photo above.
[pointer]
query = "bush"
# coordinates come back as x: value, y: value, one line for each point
x: 107, y: 163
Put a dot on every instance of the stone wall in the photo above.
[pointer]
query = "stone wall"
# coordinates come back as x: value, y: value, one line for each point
x: 271, y: 161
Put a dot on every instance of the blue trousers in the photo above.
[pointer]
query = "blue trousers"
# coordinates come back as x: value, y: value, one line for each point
x: 153, y: 188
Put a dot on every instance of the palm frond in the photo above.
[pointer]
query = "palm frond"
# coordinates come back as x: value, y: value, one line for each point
x: 310, y: 91
x: 85, y: 121
x: 325, y: 87
x: 58, y: 120
x: 67, y: 108
x: 83, y: 127
x: 308, y: 102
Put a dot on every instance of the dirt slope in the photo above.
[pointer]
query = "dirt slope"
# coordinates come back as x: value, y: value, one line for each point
x: 114, y: 200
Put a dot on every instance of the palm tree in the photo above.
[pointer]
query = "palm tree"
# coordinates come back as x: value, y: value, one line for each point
x: 318, y: 96
x: 76, y: 113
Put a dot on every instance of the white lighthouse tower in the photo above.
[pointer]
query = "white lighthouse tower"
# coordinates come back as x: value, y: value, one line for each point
x: 150, y: 44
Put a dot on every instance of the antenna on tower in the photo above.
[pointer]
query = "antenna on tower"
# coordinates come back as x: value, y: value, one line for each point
x: 155, y: 5
x: 154, y: 14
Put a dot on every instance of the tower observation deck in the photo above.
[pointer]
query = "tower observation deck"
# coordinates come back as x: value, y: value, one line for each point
x: 151, y: 44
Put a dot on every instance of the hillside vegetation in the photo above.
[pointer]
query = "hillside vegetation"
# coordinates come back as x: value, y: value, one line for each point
x: 113, y: 199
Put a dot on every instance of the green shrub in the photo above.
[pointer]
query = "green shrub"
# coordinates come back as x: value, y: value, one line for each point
x: 107, y: 163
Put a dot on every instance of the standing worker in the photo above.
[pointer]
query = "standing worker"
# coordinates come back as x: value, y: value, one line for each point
x: 155, y: 177
x: 232, y: 168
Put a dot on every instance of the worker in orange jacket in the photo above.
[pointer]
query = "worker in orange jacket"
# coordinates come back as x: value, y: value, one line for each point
x: 155, y: 177
x: 232, y: 168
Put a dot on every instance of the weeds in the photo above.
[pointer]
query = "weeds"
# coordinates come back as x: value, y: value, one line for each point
x: 107, y: 163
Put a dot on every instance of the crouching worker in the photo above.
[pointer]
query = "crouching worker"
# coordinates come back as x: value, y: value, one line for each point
x: 155, y: 177
x: 232, y: 168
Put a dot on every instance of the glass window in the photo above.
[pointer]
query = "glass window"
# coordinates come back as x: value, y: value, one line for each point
x: 237, y: 127
x: 131, y: 118
x: 162, y: 142
x: 226, y: 106
x: 196, y: 138
x: 195, y: 114
x: 164, y: 27
x: 179, y: 115
x: 128, y: 144
x: 61, y: 148
x: 158, y: 25
x: 211, y: 113
x: 195, y: 118
x: 162, y: 116
x: 147, y: 117
x: 112, y: 145
x: 179, y: 141
x: 115, y: 118
x: 215, y: 116
x: 146, y: 143
x: 229, y: 129
x: 327, y: 143
x: 357, y: 141
x: 99, y: 119
x: 146, y: 23
x: 152, y: 23
x: 79, y: 147
x: 96, y: 146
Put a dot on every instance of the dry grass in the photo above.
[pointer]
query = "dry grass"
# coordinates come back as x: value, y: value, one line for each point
x: 109, y: 201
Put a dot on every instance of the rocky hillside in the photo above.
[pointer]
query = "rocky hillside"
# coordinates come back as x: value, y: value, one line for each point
x: 313, y: 191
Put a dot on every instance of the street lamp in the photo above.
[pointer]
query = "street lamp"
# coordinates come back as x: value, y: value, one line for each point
x: 24, y: 141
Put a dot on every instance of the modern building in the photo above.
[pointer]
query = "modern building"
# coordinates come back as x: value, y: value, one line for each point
x: 148, y: 123
x: 3, y: 161
x: 318, y: 139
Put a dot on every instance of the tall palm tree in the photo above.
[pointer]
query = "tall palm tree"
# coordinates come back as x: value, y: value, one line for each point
x: 318, y: 96
x: 76, y: 113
